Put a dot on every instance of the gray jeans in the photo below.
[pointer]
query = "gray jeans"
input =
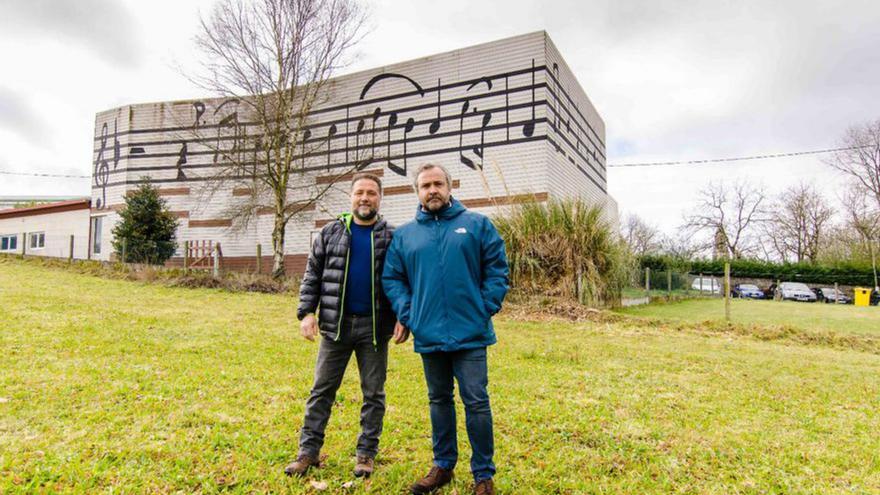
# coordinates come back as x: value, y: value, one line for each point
x: 333, y: 356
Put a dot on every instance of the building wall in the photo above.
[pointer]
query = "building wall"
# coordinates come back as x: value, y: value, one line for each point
x: 57, y: 227
x: 492, y: 99
x: 576, y: 144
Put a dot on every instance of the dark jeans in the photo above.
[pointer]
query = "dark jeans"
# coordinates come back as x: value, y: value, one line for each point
x: 356, y: 336
x: 470, y: 369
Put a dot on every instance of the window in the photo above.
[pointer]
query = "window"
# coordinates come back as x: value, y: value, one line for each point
x: 96, y: 234
x: 38, y: 240
x: 8, y: 242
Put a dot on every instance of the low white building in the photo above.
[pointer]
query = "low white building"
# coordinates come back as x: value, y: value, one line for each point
x: 49, y: 230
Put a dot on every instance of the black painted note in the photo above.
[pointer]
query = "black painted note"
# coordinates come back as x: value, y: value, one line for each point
x: 116, y: 146
x: 484, y: 122
x: 529, y: 127
x: 330, y: 133
x: 357, y: 143
x: 435, y: 124
x: 181, y: 160
x: 376, y: 114
x: 200, y: 110
x: 102, y: 169
x: 306, y: 135
x: 230, y: 121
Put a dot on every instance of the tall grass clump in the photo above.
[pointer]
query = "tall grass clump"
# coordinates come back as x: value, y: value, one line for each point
x: 564, y: 248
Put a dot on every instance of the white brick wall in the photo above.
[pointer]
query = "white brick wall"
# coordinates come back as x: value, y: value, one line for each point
x: 150, y: 138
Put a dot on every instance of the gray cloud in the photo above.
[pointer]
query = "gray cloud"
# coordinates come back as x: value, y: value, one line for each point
x: 103, y: 26
x: 17, y: 116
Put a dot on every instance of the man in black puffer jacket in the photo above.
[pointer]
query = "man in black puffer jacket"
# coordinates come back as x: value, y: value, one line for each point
x: 343, y: 283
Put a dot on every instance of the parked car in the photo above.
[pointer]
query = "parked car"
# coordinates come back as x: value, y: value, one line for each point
x: 707, y: 284
x: 832, y: 295
x: 748, y: 291
x: 796, y: 291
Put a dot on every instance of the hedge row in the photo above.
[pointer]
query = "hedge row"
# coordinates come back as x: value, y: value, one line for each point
x: 842, y: 273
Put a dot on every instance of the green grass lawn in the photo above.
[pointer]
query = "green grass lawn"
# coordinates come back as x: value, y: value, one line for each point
x: 842, y: 318
x: 121, y: 387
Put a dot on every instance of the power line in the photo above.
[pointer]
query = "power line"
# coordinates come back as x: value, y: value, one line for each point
x: 36, y: 174
x: 737, y: 159
x: 612, y: 165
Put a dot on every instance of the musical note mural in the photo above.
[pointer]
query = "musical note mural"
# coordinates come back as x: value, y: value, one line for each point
x: 426, y: 110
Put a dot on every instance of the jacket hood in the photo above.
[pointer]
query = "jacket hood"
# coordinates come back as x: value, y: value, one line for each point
x: 452, y: 210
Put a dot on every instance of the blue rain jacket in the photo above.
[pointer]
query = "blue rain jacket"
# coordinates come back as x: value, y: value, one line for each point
x: 446, y: 274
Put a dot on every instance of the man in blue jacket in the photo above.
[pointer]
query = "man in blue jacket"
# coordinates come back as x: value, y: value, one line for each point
x: 445, y: 275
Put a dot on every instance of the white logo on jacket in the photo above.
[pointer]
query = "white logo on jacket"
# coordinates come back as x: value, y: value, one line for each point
x: 461, y: 230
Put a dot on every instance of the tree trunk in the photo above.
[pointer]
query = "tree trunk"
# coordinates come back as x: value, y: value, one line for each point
x: 278, y: 247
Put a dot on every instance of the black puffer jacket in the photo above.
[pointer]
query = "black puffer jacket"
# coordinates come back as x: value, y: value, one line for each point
x: 323, y: 283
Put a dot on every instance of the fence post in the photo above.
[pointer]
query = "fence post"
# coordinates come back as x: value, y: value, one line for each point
x: 777, y: 293
x: 648, y: 283
x: 701, y: 283
x: 259, y: 258
x: 185, y: 256
x: 836, y: 294
x: 24, y: 241
x: 124, y: 248
x: 669, y: 284
x: 217, y: 260
x: 70, y: 256
x: 727, y: 292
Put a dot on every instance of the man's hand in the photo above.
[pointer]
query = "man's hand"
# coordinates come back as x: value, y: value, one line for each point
x: 309, y: 327
x: 401, y: 333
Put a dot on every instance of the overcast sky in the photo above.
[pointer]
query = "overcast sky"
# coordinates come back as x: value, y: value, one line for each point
x: 679, y: 80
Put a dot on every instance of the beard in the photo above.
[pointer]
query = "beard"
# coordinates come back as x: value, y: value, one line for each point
x: 436, y: 203
x: 367, y: 215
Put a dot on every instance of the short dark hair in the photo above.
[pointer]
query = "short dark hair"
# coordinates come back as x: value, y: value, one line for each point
x: 429, y: 166
x: 366, y: 175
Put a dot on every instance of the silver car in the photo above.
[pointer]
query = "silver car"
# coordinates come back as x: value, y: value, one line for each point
x: 796, y: 291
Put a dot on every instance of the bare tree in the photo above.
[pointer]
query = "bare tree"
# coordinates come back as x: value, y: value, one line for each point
x: 860, y: 158
x: 729, y: 215
x: 797, y: 223
x: 641, y: 237
x: 273, y: 59
x: 864, y: 218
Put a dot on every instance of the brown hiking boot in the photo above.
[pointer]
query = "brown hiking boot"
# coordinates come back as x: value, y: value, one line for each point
x: 436, y: 478
x: 484, y: 487
x: 363, y: 466
x: 301, y: 465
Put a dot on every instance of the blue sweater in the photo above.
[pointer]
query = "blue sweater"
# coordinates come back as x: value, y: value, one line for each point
x: 358, y: 286
x: 446, y: 274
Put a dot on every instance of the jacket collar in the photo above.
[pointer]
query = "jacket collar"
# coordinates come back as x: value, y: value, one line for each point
x: 347, y: 218
x: 450, y: 211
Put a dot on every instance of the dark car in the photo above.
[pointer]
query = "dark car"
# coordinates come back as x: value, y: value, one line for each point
x: 832, y: 295
x: 875, y: 298
x: 747, y: 291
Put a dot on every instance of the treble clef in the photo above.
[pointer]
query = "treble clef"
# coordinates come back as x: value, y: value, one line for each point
x: 102, y: 169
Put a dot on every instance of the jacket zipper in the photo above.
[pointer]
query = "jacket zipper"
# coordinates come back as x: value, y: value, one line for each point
x: 373, y: 286
x: 344, y: 281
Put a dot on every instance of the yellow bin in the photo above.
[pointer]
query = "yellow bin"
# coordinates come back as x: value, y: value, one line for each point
x: 863, y: 297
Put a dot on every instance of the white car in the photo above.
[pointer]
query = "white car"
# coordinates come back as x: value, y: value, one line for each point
x: 707, y: 284
x: 796, y: 291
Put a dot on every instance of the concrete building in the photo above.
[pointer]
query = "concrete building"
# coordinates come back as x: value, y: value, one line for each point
x: 47, y: 230
x: 508, y: 118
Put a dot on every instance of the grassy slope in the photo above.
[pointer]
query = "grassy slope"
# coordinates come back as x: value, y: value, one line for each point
x: 118, y: 386
x: 806, y: 316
